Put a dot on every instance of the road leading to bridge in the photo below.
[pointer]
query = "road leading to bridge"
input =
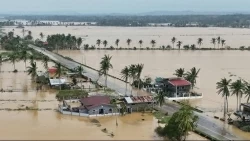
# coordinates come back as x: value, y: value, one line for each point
x: 113, y: 83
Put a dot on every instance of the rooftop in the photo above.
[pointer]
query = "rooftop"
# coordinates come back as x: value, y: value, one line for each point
x: 55, y: 82
x: 139, y: 99
x: 246, y: 104
x: 94, y: 101
x: 179, y: 82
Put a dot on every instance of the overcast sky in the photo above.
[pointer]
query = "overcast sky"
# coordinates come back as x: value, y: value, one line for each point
x: 121, y: 6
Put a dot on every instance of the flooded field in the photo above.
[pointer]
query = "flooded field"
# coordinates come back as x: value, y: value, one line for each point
x: 162, y: 35
x: 214, y: 65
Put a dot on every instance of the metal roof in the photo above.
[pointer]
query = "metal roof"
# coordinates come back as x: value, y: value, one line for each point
x: 54, y: 82
x: 139, y: 99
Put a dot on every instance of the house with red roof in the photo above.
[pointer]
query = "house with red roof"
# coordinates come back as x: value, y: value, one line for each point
x: 96, y: 105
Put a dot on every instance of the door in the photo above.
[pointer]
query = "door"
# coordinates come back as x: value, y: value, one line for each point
x: 101, y: 111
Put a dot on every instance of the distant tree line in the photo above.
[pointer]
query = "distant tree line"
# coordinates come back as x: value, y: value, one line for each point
x: 237, y: 20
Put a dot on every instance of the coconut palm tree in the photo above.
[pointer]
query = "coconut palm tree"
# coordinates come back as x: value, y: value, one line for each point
x: 125, y: 76
x: 79, y: 42
x: 132, y: 74
x: 24, y: 56
x: 45, y: 61
x: 140, y: 42
x: 41, y: 36
x: 179, y: 43
x: 199, y: 42
x: 23, y: 31
x: 105, y: 66
x: 247, y: 91
x: 173, y: 40
x: 193, y: 47
x: 192, y: 75
x: 105, y: 43
x: 223, y: 42
x: 139, y: 68
x: 237, y: 88
x: 117, y: 42
x: 129, y: 41
x: 218, y: 41
x: 213, y: 41
x: 31, y: 58
x: 58, y: 69
x: 79, y: 70
x: 13, y: 58
x: 153, y: 42
x: 223, y: 90
x: 32, y: 70
x: 159, y: 98
x: 98, y: 42
x: 179, y: 72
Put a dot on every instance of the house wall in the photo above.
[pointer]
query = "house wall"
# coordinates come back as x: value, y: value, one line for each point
x: 139, y: 106
x: 106, y: 108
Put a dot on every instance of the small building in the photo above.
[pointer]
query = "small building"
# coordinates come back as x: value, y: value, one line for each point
x: 137, y: 103
x: 246, y: 108
x: 96, y: 105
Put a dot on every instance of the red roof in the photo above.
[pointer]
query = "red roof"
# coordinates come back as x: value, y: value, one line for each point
x: 94, y: 101
x: 179, y: 82
x: 52, y: 70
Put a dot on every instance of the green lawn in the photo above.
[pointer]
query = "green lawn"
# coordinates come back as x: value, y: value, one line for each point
x: 161, y: 117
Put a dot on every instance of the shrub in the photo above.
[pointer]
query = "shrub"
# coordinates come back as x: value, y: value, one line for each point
x: 160, y: 131
x: 246, y: 128
x: 15, y: 71
x: 134, y: 48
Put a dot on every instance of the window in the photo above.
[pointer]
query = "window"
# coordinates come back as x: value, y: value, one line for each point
x: 110, y: 110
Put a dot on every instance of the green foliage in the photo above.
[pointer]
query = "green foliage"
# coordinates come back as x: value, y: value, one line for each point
x: 163, y: 118
x: 70, y: 94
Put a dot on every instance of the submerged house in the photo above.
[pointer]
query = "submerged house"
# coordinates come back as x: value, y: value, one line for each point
x: 96, y: 105
x: 137, y: 103
x: 174, y: 88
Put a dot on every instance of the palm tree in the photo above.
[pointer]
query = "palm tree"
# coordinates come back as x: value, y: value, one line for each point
x: 200, y: 40
x: 23, y: 31
x: 159, y: 98
x: 132, y: 74
x: 1, y: 60
x: 41, y: 35
x: 125, y: 76
x: 213, y: 41
x: 79, y: 42
x: 223, y: 42
x: 79, y: 70
x: 180, y: 72
x: 179, y: 44
x: 247, y: 91
x: 237, y: 88
x: 192, y: 76
x: 32, y: 70
x: 31, y: 57
x: 58, y: 69
x: 98, y: 42
x: 173, y: 40
x: 223, y: 89
x: 105, y: 43
x: 105, y: 66
x: 117, y: 42
x: 129, y: 41
x: 153, y: 42
x: 140, y: 42
x: 24, y: 56
x: 45, y: 61
x: 218, y: 41
x: 139, y: 68
x: 13, y: 58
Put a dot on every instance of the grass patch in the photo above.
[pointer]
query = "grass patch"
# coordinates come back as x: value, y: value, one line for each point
x: 163, y: 118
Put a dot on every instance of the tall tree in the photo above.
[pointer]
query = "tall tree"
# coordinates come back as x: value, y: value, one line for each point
x: 129, y: 41
x: 179, y: 72
x: 45, y: 61
x: 32, y: 70
x: 139, y: 68
x: 98, y: 42
x: 132, y: 74
x: 105, y: 43
x: 79, y: 42
x: 80, y: 71
x: 153, y: 42
x: 237, y: 88
x: 159, y: 98
x: 58, y: 69
x: 173, y: 40
x: 223, y: 90
x: 13, y: 58
x: 41, y: 36
x: 213, y: 41
x: 24, y: 56
x: 105, y: 66
x: 247, y: 91
x: 179, y: 43
x: 125, y: 76
x: 117, y: 42
x: 223, y: 42
x: 192, y: 75
x: 218, y: 41
x: 140, y: 42
x: 199, y: 42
